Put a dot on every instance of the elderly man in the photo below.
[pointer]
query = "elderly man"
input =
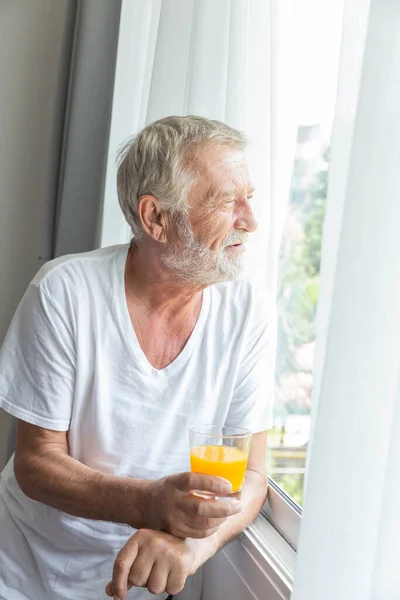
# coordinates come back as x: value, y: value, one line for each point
x: 111, y: 356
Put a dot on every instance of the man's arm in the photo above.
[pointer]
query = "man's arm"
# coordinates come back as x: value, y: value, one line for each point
x: 139, y: 563
x: 46, y: 473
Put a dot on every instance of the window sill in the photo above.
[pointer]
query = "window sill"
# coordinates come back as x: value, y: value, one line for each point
x: 263, y: 560
x: 260, y: 563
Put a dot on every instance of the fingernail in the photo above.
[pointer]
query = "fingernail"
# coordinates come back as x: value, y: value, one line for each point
x: 236, y: 503
x: 226, y: 485
x: 116, y: 598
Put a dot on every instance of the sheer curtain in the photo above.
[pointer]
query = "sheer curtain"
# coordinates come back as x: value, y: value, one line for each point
x: 350, y: 534
x: 226, y: 60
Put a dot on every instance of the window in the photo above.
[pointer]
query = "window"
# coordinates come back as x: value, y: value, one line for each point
x: 300, y: 252
x: 298, y: 285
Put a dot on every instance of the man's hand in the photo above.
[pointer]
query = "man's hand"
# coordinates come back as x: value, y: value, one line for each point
x: 174, y: 506
x: 155, y: 560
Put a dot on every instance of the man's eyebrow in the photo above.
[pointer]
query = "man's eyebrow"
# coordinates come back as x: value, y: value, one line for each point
x: 212, y: 192
x: 216, y: 193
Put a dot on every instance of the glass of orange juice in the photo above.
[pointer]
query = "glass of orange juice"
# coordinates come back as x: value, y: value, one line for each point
x: 221, y: 451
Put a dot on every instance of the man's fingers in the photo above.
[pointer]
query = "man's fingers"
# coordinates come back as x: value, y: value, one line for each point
x: 122, y: 568
x: 109, y: 589
x: 141, y: 569
x: 199, y: 516
x: 211, y: 508
x: 206, y: 483
x: 157, y: 581
x: 175, y: 583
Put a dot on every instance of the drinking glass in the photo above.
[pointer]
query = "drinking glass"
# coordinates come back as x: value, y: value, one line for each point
x: 221, y: 451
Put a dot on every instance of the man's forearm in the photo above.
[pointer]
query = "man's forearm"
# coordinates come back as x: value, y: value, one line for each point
x: 253, y: 497
x: 64, y: 483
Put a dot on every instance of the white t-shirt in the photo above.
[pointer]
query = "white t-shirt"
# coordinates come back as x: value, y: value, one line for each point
x: 71, y: 362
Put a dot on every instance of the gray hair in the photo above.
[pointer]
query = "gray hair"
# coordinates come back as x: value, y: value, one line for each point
x: 160, y: 161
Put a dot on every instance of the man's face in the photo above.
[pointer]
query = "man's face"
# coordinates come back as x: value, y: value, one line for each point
x: 210, y: 245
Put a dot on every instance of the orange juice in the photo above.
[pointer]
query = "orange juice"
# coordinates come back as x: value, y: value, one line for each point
x: 223, y: 461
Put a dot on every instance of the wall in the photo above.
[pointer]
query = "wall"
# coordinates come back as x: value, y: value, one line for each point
x: 35, y: 51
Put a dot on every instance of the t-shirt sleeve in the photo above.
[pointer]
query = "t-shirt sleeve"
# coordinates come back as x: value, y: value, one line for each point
x: 37, y: 363
x: 252, y: 402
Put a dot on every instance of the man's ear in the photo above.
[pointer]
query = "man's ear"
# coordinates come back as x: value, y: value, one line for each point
x: 153, y: 218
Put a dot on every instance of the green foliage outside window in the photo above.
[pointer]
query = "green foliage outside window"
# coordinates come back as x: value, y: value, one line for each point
x: 298, y: 287
x: 293, y: 484
x: 300, y: 268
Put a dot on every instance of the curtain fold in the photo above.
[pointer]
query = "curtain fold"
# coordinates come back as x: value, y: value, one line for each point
x: 219, y: 60
x: 138, y: 32
x: 86, y: 126
x: 350, y: 534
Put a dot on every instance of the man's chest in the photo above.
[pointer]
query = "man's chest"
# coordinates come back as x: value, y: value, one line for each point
x: 162, y: 340
x: 161, y: 348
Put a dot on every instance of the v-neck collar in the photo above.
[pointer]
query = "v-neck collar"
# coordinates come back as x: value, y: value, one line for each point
x: 128, y: 330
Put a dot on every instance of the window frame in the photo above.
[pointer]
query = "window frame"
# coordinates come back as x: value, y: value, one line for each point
x: 283, y: 513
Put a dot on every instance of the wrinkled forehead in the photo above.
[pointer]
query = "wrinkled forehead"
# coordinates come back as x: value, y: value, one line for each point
x: 224, y: 168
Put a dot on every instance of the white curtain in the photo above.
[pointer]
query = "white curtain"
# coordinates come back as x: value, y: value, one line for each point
x: 350, y: 535
x: 227, y: 60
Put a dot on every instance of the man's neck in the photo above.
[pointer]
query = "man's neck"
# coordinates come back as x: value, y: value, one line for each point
x: 155, y: 289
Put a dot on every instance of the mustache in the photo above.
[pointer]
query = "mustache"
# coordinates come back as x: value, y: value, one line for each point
x: 235, y: 237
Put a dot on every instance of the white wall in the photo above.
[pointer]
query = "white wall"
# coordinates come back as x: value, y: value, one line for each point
x: 35, y: 44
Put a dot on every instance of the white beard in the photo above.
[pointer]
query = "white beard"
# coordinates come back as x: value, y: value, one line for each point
x: 192, y: 262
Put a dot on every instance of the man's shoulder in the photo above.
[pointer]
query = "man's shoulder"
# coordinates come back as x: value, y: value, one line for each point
x: 75, y: 271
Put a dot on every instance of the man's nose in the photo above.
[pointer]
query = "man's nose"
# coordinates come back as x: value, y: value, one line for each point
x: 246, y: 218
